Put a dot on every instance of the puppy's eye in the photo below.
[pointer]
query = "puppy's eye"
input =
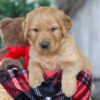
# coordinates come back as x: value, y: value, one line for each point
x: 35, y: 30
x: 53, y: 29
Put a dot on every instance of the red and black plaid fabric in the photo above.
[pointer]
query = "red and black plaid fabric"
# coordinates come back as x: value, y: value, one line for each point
x: 15, y: 81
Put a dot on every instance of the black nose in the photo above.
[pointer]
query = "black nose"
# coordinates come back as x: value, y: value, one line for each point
x: 44, y: 44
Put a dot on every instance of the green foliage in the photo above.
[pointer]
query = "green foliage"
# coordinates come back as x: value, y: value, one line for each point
x: 17, y: 8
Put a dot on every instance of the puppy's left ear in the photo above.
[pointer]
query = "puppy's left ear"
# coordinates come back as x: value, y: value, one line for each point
x: 65, y: 22
x: 25, y: 30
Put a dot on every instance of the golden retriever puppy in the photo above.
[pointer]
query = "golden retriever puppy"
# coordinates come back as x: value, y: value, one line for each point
x: 53, y: 48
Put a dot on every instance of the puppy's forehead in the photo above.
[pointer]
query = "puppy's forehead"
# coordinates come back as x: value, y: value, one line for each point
x: 43, y: 10
x: 43, y: 19
x: 42, y: 14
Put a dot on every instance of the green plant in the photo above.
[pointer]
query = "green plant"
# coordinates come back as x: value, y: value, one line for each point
x: 17, y: 8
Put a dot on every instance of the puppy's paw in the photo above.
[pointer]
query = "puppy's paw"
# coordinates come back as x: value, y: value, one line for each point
x: 36, y: 80
x: 36, y: 84
x: 69, y: 88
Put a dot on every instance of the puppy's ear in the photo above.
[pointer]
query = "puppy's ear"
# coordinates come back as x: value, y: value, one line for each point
x: 65, y: 22
x: 25, y: 30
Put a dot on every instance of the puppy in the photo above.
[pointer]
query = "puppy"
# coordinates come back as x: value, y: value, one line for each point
x: 53, y: 48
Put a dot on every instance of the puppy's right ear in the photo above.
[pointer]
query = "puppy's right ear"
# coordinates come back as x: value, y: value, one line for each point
x: 25, y: 30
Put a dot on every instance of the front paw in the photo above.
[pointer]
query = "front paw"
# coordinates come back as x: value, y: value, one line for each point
x: 69, y: 88
x: 36, y: 80
x: 35, y: 84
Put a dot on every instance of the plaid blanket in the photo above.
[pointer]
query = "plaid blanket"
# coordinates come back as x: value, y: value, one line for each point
x: 16, y: 83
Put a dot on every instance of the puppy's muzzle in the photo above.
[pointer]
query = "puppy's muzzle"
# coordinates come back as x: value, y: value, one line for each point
x: 44, y: 44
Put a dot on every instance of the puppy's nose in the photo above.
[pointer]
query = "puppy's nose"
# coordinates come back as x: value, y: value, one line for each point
x: 44, y: 44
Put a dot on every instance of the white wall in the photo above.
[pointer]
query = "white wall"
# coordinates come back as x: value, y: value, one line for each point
x: 86, y: 30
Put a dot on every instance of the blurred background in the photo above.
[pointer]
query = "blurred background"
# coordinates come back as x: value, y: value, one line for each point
x: 86, y: 25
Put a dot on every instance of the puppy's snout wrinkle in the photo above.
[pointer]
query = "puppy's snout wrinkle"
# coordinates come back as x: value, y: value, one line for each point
x: 44, y: 44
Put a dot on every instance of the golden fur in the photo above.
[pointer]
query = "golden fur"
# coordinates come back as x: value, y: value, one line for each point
x: 53, y: 25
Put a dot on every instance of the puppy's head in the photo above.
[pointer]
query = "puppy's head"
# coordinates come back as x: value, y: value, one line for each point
x: 45, y: 28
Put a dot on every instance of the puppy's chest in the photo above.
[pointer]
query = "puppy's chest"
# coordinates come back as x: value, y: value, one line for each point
x: 47, y: 64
